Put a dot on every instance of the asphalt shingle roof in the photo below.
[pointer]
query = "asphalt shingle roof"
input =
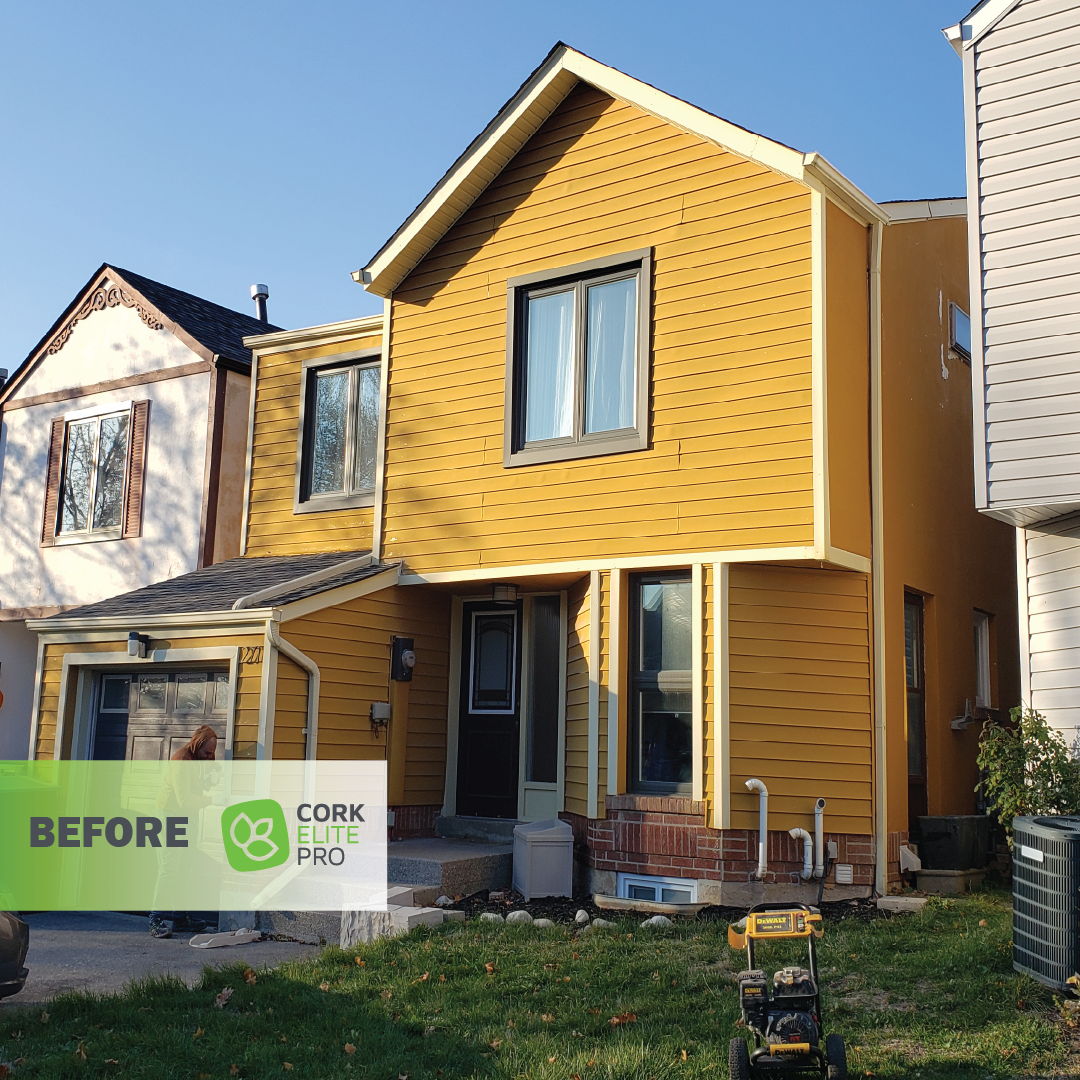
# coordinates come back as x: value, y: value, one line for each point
x: 219, y: 328
x: 218, y: 587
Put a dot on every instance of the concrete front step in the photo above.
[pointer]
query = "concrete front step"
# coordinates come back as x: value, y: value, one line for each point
x: 454, y: 867
x: 490, y: 830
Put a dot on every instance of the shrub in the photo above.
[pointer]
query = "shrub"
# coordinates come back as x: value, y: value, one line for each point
x: 1027, y: 768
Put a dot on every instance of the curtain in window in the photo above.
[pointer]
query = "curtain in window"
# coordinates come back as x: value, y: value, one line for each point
x: 610, y: 353
x: 549, y: 362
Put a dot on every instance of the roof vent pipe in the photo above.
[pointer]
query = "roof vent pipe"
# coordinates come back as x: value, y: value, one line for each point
x: 808, y: 851
x: 819, y: 838
x: 763, y: 827
x: 259, y: 294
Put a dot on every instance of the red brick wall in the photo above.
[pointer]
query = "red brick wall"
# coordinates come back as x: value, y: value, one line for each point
x: 413, y: 821
x: 668, y: 836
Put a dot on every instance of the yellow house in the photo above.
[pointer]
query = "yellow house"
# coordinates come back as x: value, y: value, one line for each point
x: 652, y: 465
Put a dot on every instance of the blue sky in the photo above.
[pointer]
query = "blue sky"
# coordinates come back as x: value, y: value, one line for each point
x: 214, y: 144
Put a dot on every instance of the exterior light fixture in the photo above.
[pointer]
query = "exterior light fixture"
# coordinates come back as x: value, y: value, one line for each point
x: 138, y: 644
x: 504, y: 592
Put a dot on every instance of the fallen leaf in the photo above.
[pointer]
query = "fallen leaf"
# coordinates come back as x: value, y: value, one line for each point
x: 566, y: 978
x: 44, y: 1017
x: 402, y: 1076
x: 575, y: 956
x: 198, y: 1032
x: 249, y: 976
x: 495, y: 1044
x: 576, y: 1076
x: 234, y: 1070
x: 386, y: 995
x: 549, y: 967
x: 551, y: 1060
x: 442, y: 978
x: 547, y: 1017
x: 623, y: 1018
x: 982, y: 922
x: 287, y: 1064
x: 594, y: 1012
x: 324, y: 986
x: 80, y: 1053
x: 590, y: 1063
x: 683, y: 1055
x: 283, y: 1039
x: 423, y: 978
x: 349, y: 1048
x: 429, y: 1030
x: 223, y: 998
x: 361, y: 963
x: 489, y: 968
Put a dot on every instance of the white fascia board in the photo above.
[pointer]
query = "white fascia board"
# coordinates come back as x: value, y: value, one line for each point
x: 309, y: 336
x: 924, y: 209
x: 981, y: 19
x: 122, y: 625
x: 524, y: 114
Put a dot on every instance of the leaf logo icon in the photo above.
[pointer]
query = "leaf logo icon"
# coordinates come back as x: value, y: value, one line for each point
x: 258, y: 836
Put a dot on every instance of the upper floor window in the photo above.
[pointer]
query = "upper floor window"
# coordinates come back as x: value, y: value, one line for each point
x: 95, y: 474
x: 577, y: 360
x: 339, y: 425
x: 959, y: 332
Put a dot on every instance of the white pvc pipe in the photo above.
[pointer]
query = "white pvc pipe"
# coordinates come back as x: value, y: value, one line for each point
x: 819, y: 838
x: 808, y: 851
x: 763, y: 827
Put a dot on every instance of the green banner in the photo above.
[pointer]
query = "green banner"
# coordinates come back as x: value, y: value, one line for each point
x: 192, y: 835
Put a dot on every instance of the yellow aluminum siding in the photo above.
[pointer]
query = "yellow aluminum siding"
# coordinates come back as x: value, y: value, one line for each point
x: 800, y: 719
x: 351, y: 645
x: 729, y: 463
x: 577, y: 699
x: 246, y: 717
x: 273, y: 528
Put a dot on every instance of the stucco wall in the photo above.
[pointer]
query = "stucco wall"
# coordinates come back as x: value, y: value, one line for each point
x: 18, y: 657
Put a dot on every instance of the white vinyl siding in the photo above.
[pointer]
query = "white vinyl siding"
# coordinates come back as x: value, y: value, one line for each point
x: 1027, y: 100
x: 1053, y: 590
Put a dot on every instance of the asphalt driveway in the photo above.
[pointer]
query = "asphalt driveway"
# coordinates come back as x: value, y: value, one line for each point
x: 100, y: 952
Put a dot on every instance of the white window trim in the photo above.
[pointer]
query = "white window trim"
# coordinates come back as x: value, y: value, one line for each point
x: 624, y: 881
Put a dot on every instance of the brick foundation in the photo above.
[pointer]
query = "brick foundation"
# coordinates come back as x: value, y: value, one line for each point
x: 894, y: 879
x: 668, y: 836
x: 411, y: 822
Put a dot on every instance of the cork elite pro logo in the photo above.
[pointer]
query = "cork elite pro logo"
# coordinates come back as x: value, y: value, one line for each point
x: 255, y: 835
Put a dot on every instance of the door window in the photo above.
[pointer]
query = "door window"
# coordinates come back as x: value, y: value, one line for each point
x: 545, y: 639
x: 661, y: 676
x: 915, y: 679
x: 493, y: 681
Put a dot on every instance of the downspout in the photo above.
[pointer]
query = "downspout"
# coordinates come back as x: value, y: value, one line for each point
x: 877, y: 562
x: 819, y: 837
x: 763, y: 828
x: 808, y: 851
x: 312, y: 669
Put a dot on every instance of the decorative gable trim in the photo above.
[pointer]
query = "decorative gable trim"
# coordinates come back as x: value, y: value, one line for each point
x: 105, y: 295
x: 526, y: 111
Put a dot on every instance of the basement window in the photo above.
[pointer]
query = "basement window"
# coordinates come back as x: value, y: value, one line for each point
x: 657, y: 890
x: 337, y: 446
x: 959, y: 332
x: 577, y: 366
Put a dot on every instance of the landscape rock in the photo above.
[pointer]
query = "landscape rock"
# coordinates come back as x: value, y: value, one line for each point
x: 455, y: 916
x: 602, y: 924
x: 658, y: 922
x: 490, y: 916
x: 544, y: 924
x: 582, y: 917
x: 519, y: 917
x: 443, y: 901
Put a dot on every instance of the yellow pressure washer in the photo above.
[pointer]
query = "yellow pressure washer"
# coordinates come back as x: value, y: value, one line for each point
x: 786, y: 1023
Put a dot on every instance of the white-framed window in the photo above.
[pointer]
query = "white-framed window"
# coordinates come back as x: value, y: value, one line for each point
x: 981, y: 623
x: 657, y: 890
x: 959, y: 331
x: 338, y: 433
x: 577, y: 365
x: 94, y: 474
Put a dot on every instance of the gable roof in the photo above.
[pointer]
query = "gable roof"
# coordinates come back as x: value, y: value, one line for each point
x: 235, y: 585
x: 982, y: 18
x: 208, y: 329
x: 538, y: 97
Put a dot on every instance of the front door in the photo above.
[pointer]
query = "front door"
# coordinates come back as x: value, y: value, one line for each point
x: 915, y: 711
x: 149, y: 715
x: 490, y: 707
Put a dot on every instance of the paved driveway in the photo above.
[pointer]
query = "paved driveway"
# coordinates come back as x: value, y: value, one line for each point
x: 102, y: 951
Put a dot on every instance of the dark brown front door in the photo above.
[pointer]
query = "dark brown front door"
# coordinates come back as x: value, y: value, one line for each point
x: 915, y: 710
x: 149, y: 715
x: 488, y: 716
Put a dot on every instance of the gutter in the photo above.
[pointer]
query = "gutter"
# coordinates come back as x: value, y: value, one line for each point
x: 314, y: 678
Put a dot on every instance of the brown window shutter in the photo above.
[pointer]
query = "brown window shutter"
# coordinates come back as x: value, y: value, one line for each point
x: 140, y: 414
x: 52, y: 483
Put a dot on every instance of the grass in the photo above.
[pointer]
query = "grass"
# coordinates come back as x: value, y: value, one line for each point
x: 923, y: 995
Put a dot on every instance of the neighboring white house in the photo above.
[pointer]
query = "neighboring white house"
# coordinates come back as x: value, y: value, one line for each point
x: 122, y: 440
x: 1021, y: 62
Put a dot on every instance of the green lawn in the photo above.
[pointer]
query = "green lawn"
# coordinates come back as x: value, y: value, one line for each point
x: 927, y: 995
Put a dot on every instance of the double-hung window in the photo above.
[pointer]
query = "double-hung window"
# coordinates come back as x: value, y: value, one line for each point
x: 578, y: 360
x: 339, y: 426
x: 95, y: 474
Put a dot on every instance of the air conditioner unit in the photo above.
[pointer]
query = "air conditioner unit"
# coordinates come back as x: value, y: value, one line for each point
x: 1046, y: 898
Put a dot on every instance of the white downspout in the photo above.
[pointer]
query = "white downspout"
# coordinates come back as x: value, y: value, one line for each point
x: 312, y: 669
x: 819, y: 838
x: 763, y: 828
x: 807, y: 851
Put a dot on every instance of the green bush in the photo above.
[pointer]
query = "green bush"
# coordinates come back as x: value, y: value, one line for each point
x: 1027, y: 768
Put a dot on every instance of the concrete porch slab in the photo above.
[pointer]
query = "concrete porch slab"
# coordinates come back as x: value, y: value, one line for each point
x: 454, y: 867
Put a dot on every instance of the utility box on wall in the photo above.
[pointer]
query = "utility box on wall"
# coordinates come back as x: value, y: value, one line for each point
x: 544, y: 859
